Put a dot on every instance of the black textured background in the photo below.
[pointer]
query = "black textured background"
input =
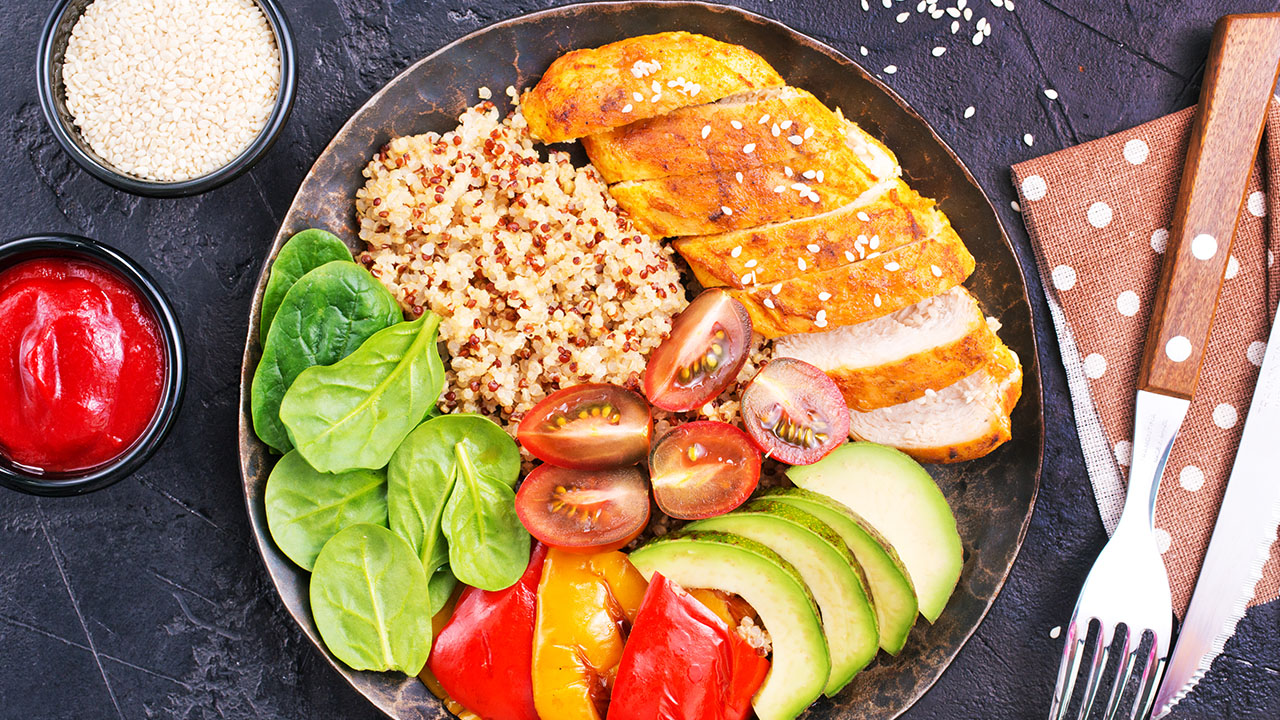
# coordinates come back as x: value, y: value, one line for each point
x: 147, y: 600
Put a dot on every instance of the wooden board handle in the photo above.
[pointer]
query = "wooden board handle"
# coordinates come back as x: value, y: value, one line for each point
x: 1238, y: 83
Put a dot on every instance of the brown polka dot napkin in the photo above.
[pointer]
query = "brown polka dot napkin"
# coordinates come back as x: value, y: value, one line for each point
x: 1099, y: 215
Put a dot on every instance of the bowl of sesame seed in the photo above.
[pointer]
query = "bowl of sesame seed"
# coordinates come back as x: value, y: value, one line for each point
x: 166, y: 98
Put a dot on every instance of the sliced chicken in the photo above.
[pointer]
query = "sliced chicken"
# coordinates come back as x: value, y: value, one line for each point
x: 860, y: 291
x: 590, y: 91
x: 895, y: 215
x: 738, y: 132
x: 962, y: 421
x: 896, y: 358
x: 715, y: 202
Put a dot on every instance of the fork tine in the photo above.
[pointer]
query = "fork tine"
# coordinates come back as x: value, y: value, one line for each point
x: 1101, y: 650
x: 1151, y: 676
x: 1072, y: 653
x: 1126, y: 671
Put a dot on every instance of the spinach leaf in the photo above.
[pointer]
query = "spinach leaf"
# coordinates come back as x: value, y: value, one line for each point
x: 325, y: 316
x: 440, y: 587
x: 299, y: 255
x: 488, y: 547
x: 370, y: 601
x: 356, y: 412
x: 305, y: 507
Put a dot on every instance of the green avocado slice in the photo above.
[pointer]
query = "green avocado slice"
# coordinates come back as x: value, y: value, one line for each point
x: 892, y: 593
x: 773, y: 588
x: 827, y: 567
x: 899, y: 498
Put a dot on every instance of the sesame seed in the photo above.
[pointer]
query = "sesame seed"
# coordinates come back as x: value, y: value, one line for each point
x: 776, y: 289
x: 752, y: 263
x: 1051, y: 93
x: 876, y: 300
x: 874, y: 255
x: 875, y: 241
x: 736, y: 125
x: 706, y: 130
x: 786, y: 124
x: 749, y: 148
x: 674, y: 83
x: 1016, y: 207
x: 696, y: 89
x: 863, y: 48
x: 637, y: 97
x: 800, y: 263
x: 484, y: 93
x: 626, y: 108
x: 977, y: 38
x: 955, y: 26
x: 656, y: 97
x: 746, y: 279
x: 656, y: 86
x: 795, y: 139
x: 736, y: 251
x: 1029, y: 139
x: 892, y: 266
x: 822, y: 315
x: 808, y: 132
x: 824, y: 296
x: 938, y: 51
x: 809, y: 174
x: 814, y: 196
x: 968, y: 14
x: 969, y: 111
x: 763, y: 119
x: 863, y: 216
x: 819, y: 176
x: 822, y: 322
x: 848, y: 256
x: 953, y: 12
x: 801, y: 187
x: 813, y: 248
x: 768, y: 302
x: 937, y: 271
x: 726, y: 209
x: 780, y: 189
x: 891, y: 69
x: 775, y: 130
x: 902, y: 17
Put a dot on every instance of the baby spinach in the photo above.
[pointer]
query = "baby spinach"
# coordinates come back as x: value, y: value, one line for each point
x: 440, y: 460
x: 356, y: 412
x: 305, y: 507
x: 440, y: 587
x: 370, y: 601
x: 299, y: 255
x: 325, y: 316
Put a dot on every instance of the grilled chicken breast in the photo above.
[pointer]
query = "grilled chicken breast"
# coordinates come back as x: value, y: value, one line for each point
x: 897, y: 358
x: 895, y: 215
x: 715, y: 202
x: 738, y: 132
x: 860, y: 291
x: 963, y: 421
x: 590, y: 91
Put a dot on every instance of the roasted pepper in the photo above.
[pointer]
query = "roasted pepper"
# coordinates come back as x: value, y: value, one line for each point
x: 683, y: 662
x: 482, y: 658
x: 585, y: 605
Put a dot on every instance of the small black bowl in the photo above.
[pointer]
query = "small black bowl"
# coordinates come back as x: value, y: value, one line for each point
x: 52, y: 91
x: 95, y: 478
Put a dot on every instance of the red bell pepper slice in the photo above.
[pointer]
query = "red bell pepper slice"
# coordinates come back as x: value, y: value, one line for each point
x: 682, y: 662
x: 484, y: 656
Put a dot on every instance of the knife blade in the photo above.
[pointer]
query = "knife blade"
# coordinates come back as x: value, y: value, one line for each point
x: 1240, y: 544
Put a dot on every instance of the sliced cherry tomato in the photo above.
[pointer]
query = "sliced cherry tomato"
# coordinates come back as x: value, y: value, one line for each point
x: 703, y: 469
x: 707, y: 347
x: 584, y: 510
x: 595, y: 426
x: 794, y: 412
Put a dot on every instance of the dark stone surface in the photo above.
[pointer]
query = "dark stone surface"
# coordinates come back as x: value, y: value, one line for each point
x: 147, y: 600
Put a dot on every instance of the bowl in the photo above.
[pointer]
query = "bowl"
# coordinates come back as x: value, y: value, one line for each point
x: 79, y: 482
x: 52, y: 92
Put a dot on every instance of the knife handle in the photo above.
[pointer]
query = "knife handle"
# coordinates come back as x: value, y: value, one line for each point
x: 1239, y: 79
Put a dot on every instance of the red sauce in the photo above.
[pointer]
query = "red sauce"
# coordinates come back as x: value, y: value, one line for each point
x: 82, y: 364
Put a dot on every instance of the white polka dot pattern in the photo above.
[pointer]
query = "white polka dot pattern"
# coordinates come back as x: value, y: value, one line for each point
x: 1257, y: 349
x: 1034, y: 187
x: 1225, y: 416
x: 1257, y: 204
x: 1233, y: 268
x: 1095, y: 366
x: 1099, y: 215
x: 1191, y: 478
x: 1163, y: 540
x: 1064, y: 277
x: 1127, y: 303
x: 1136, y: 151
x: 1124, y: 452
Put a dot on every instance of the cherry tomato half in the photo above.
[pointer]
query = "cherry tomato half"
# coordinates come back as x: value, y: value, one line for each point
x: 794, y: 412
x: 703, y: 469
x: 595, y: 426
x: 584, y: 510
x: 707, y: 347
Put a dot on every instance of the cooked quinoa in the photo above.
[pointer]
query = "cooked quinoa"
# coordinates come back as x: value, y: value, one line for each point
x: 541, y: 280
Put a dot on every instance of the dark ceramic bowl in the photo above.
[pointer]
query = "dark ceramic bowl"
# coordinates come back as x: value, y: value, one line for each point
x: 992, y: 497
x: 52, y: 91
x: 79, y: 482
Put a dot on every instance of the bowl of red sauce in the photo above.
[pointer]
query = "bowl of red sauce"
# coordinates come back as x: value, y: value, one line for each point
x: 92, y: 365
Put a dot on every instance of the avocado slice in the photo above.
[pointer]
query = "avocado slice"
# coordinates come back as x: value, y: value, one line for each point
x: 827, y: 567
x: 776, y: 592
x: 892, y: 593
x: 899, y: 498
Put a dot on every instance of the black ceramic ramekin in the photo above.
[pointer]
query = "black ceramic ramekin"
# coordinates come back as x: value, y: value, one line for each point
x: 96, y: 478
x: 53, y: 49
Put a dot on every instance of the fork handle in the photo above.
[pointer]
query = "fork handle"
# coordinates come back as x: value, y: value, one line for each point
x: 1238, y: 82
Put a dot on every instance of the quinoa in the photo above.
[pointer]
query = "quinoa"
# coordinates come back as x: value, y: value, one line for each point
x: 541, y: 280
x: 171, y: 89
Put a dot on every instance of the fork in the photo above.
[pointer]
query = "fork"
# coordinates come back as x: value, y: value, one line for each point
x: 1128, y: 585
